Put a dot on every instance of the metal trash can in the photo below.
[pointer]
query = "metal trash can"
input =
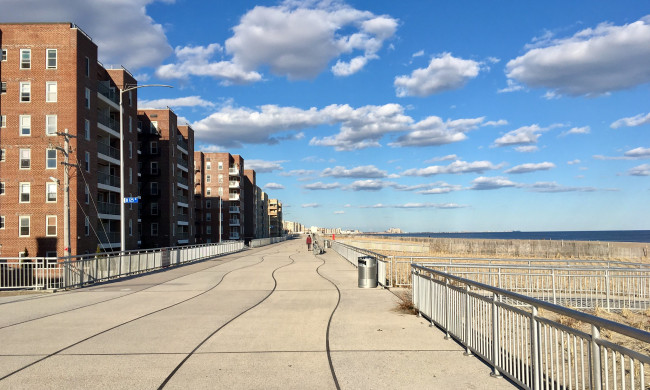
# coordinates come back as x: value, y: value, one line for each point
x: 367, y: 272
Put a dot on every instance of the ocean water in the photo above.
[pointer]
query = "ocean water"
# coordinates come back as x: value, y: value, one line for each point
x: 598, y: 235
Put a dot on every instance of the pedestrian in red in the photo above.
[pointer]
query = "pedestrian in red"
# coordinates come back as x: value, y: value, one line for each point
x: 309, y: 242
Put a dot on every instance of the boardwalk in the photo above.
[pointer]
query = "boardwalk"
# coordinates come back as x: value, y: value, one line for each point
x: 276, y: 317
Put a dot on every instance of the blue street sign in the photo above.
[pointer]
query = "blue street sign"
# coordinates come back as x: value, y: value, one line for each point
x: 131, y: 200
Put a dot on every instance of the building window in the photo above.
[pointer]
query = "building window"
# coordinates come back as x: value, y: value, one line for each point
x: 208, y: 204
x: 220, y: 179
x: 25, y: 158
x: 25, y: 58
x: 154, y: 229
x: 130, y: 149
x: 25, y: 125
x: 87, y: 129
x: 130, y: 176
x: 3, y: 121
x: 51, y: 58
x: 51, y: 91
x: 153, y: 147
x: 208, y: 217
x: 87, y: 161
x: 87, y: 227
x: 2, y: 187
x: 153, y: 188
x: 50, y: 189
x: 87, y: 66
x: 3, y: 87
x: 26, y: 91
x: 87, y: 194
x: 220, y: 165
x: 50, y: 158
x: 208, y: 165
x: 208, y: 230
x: 2, y: 155
x: 208, y: 179
x: 50, y: 124
x: 130, y: 227
x: 2, y: 222
x: 154, y: 208
x: 25, y: 190
x: 4, y: 55
x: 153, y: 128
x: 24, y: 226
x: 50, y: 223
x: 130, y: 121
x: 87, y: 98
x: 208, y: 191
x: 153, y: 168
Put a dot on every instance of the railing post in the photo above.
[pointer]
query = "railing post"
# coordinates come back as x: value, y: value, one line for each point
x: 495, y: 336
x: 415, y: 291
x: 447, y: 314
x: 596, y: 383
x: 535, y: 348
x: 553, y: 282
x: 607, y: 288
x: 468, y: 321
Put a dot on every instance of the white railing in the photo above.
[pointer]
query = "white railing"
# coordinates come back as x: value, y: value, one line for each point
x: 535, y: 351
x: 266, y: 241
x: 352, y: 254
x: 78, y: 271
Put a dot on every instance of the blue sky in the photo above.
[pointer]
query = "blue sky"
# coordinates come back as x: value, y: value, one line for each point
x: 422, y: 115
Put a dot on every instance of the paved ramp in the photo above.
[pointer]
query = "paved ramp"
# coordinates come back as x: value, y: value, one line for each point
x: 276, y: 317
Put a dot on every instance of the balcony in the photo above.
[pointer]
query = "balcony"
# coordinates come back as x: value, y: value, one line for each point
x: 182, y: 143
x: 234, y: 184
x: 234, y: 222
x: 107, y: 92
x: 108, y: 150
x: 182, y: 163
x: 107, y: 121
x: 108, y: 180
x: 182, y: 199
x: 234, y: 210
x: 233, y: 171
x: 233, y: 196
x: 108, y: 208
x: 183, y: 218
x: 234, y: 236
x: 109, y: 237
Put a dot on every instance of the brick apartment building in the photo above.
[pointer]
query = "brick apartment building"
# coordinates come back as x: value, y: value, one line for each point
x: 250, y: 189
x: 166, y: 183
x: 52, y: 84
x: 275, y: 218
x: 261, y: 214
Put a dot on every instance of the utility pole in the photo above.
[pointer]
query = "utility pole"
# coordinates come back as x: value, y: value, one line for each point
x: 66, y: 190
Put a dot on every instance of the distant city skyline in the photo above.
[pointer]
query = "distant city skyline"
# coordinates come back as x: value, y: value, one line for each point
x: 426, y: 116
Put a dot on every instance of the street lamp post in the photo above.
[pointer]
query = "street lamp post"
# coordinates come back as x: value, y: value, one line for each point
x: 126, y: 88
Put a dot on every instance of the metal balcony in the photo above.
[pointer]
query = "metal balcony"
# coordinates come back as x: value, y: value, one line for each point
x: 107, y: 92
x: 234, y: 222
x: 108, y: 150
x: 108, y: 208
x: 107, y: 121
x: 108, y: 180
x: 234, y: 184
x: 234, y: 210
x: 109, y: 237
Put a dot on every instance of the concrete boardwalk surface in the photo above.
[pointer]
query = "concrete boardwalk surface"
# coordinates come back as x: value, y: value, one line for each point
x: 276, y: 317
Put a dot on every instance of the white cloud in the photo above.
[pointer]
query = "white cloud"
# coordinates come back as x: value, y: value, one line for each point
x: 261, y: 166
x: 434, y: 131
x: 338, y: 212
x: 188, y: 101
x: 415, y: 206
x: 633, y: 121
x: 457, y: 167
x: 310, y: 205
x: 321, y: 186
x: 449, y: 157
x: 526, y: 135
x: 274, y: 186
x: 638, y: 153
x: 491, y: 183
x: 512, y: 87
x: 641, y: 170
x: 368, y: 185
x: 591, y: 62
x: 444, y: 73
x: 577, y: 130
x: 298, y: 172
x: 574, y: 162
x: 527, y: 149
x: 441, y: 188
x: 500, y: 122
x: 366, y: 171
x: 418, y: 54
x: 531, y: 167
x: 124, y: 33
x: 555, y: 187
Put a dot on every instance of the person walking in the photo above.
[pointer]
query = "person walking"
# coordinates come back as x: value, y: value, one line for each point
x: 309, y: 242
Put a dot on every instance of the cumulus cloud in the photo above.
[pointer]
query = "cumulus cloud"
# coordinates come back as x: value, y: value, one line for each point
x: 531, y: 167
x: 523, y: 136
x: 641, y: 170
x: 512, y: 87
x: 491, y: 183
x: 441, y: 188
x: 449, y: 157
x: 368, y: 185
x: 434, y: 131
x: 298, y: 172
x: 444, y: 73
x: 274, y: 186
x: 261, y: 166
x: 633, y: 121
x: 297, y: 40
x: 577, y: 130
x: 593, y: 61
x: 638, y: 153
x: 456, y: 167
x: 318, y: 186
x: 188, y: 101
x: 574, y: 162
x: 366, y: 171
x: 125, y: 34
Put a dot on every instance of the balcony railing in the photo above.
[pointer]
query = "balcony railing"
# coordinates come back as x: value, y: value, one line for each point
x: 233, y: 171
x: 182, y: 199
x: 109, y: 237
x: 234, y: 184
x: 108, y: 150
x: 182, y: 236
x: 183, y: 218
x: 234, y: 236
x: 107, y: 121
x: 234, y: 222
x: 108, y: 180
x: 182, y: 142
x: 233, y: 196
x: 234, y: 210
x: 109, y: 93
x: 182, y: 163
x: 108, y: 208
